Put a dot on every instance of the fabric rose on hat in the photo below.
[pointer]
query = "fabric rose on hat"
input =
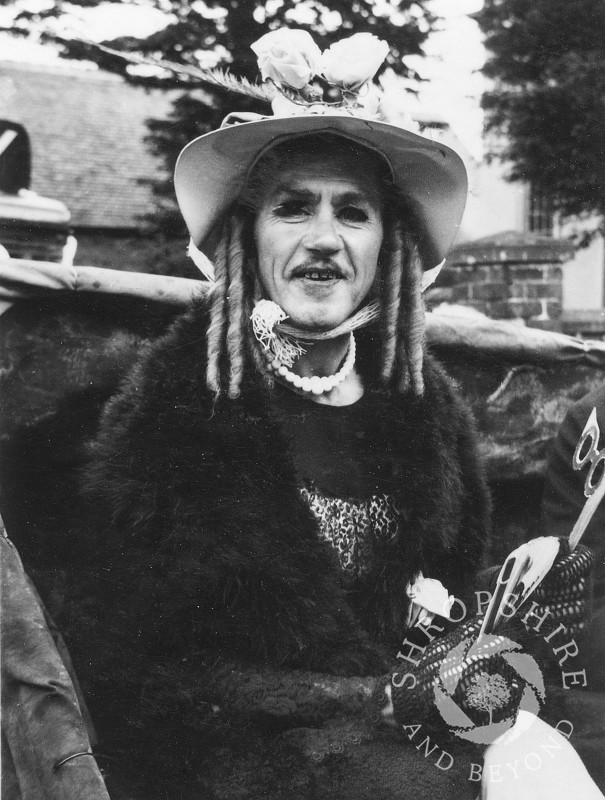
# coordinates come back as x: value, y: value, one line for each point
x: 287, y: 57
x: 353, y: 61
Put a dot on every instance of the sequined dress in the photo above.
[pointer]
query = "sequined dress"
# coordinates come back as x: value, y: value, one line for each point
x: 346, y: 484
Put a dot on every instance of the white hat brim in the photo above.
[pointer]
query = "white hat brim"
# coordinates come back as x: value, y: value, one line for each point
x: 212, y: 170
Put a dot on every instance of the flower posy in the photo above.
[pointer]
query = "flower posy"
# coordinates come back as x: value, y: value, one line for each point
x: 288, y: 57
x: 291, y: 59
x: 429, y: 597
x: 353, y: 61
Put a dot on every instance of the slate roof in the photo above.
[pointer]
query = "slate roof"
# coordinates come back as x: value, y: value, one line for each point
x: 86, y: 130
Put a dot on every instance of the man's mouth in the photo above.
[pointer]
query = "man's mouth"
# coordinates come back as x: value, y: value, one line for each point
x: 318, y: 273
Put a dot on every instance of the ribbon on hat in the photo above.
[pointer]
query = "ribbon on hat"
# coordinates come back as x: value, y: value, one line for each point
x: 201, y: 261
x: 429, y: 276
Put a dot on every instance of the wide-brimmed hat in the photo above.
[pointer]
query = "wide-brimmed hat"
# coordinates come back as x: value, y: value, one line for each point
x: 212, y: 170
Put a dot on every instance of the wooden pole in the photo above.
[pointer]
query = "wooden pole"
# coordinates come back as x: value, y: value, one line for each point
x: 21, y: 278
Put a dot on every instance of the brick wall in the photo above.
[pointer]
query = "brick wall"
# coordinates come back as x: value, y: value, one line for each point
x: 32, y: 241
x: 511, y: 275
x: 508, y: 290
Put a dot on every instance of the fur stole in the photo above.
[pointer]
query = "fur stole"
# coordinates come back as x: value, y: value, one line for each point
x: 206, y: 542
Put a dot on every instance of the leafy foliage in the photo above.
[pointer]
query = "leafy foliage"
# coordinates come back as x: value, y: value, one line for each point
x: 547, y: 64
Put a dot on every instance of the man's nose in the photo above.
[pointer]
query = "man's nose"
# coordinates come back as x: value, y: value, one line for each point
x: 322, y: 234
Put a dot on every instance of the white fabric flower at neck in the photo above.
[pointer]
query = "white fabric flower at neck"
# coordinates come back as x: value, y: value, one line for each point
x: 429, y: 598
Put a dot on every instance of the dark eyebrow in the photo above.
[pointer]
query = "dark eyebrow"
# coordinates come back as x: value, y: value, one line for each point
x: 305, y: 194
x: 299, y: 194
x: 353, y: 197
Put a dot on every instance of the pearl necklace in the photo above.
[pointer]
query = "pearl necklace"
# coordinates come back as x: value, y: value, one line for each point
x: 314, y: 385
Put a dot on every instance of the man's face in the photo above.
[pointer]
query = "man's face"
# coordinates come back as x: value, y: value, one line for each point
x: 318, y: 233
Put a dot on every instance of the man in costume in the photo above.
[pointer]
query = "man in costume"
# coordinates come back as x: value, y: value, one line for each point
x: 268, y: 493
x: 287, y: 474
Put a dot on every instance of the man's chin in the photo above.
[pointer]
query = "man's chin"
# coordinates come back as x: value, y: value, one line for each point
x: 317, y: 317
x: 314, y: 324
